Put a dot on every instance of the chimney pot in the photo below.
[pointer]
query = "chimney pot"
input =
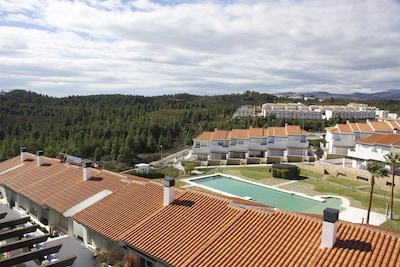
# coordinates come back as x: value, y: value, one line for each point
x: 169, y: 190
x: 39, y: 157
x: 23, y: 153
x: 331, y: 215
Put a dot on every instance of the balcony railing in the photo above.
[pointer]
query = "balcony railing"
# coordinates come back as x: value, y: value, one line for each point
x: 220, y: 149
x: 277, y: 145
x: 366, y: 155
x: 201, y: 150
x: 255, y: 146
x: 297, y: 144
x: 343, y: 143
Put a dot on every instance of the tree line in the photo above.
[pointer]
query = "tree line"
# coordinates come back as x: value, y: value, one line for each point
x: 122, y: 127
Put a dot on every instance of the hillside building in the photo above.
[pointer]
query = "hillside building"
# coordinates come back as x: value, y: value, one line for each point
x: 318, y: 112
x: 254, y: 145
x: 342, y: 137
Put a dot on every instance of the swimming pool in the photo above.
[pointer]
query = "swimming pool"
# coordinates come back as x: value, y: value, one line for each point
x: 278, y: 198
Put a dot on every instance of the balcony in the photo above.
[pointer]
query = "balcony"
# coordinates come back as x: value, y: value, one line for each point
x: 297, y: 144
x: 366, y: 155
x: 343, y: 143
x: 219, y: 149
x: 201, y: 150
x: 239, y: 148
x: 278, y: 145
x: 259, y: 147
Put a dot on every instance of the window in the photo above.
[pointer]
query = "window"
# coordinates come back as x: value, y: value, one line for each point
x: 145, y: 263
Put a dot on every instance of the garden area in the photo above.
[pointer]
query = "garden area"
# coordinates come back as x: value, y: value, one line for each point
x: 310, y: 183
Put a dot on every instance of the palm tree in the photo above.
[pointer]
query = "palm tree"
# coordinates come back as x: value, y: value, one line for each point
x: 376, y: 171
x: 393, y: 160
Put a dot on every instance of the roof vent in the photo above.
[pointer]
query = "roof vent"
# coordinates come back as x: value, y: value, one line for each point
x: 39, y: 157
x: 87, y: 169
x: 23, y: 154
x: 329, y: 228
x: 169, y: 190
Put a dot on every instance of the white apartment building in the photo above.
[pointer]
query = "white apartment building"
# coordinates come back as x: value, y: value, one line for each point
x: 373, y: 148
x: 318, y: 112
x: 254, y: 145
x: 245, y: 111
x: 342, y: 137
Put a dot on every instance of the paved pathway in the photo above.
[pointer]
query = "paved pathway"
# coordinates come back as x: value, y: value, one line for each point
x: 285, y: 183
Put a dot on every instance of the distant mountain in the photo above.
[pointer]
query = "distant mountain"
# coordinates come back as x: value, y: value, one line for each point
x: 383, y: 95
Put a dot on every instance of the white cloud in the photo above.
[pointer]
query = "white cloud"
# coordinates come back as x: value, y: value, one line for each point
x: 207, y: 47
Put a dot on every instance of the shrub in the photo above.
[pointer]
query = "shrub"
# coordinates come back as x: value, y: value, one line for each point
x: 285, y: 174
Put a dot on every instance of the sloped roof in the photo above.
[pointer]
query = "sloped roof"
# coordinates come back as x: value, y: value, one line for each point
x: 380, y: 126
x: 56, y: 184
x: 365, y: 128
x: 394, y: 124
x: 344, y: 128
x: 295, y: 130
x: 252, y: 132
x: 199, y: 230
x: 204, y: 136
x: 257, y: 132
x: 239, y: 134
x: 380, y: 139
x: 203, y: 229
x: 220, y: 135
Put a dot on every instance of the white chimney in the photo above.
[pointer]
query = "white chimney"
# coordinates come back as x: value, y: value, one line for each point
x: 39, y: 157
x: 169, y: 190
x: 329, y: 227
x: 23, y: 154
x: 87, y: 169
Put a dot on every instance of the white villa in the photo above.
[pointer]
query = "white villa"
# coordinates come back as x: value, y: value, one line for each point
x: 342, y: 137
x: 254, y: 145
x: 373, y: 148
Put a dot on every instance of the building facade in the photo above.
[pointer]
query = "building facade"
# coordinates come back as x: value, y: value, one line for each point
x: 254, y: 145
x: 342, y: 137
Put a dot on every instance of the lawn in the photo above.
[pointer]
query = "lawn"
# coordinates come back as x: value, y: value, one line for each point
x: 357, y: 192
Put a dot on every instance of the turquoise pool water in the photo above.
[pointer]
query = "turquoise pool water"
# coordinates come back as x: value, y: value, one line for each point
x: 276, y: 198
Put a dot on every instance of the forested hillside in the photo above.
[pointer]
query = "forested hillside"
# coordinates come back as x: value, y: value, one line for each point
x: 113, y: 127
x: 122, y: 127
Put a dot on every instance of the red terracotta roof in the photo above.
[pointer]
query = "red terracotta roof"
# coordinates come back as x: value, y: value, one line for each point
x: 372, y: 139
x: 240, y: 134
x: 220, y: 135
x: 252, y: 132
x: 204, y: 136
x: 295, y: 130
x: 380, y: 139
x: 277, y: 131
x: 130, y: 206
x: 344, y: 128
x: 58, y: 185
x: 257, y: 132
x: 380, y: 126
x: 365, y: 128
x: 200, y: 230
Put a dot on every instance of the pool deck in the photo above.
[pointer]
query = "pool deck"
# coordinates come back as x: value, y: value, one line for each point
x: 347, y: 213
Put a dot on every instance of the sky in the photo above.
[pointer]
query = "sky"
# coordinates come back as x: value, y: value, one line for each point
x: 143, y: 47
